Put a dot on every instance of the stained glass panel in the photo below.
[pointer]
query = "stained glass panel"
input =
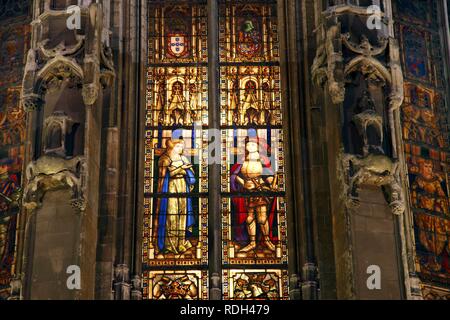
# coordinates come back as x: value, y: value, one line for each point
x: 424, y: 124
x: 14, y: 43
x: 264, y: 284
x: 252, y: 181
x: 250, y: 95
x: 174, y: 285
x: 416, y: 11
x: 257, y: 196
x: 248, y: 31
x: 177, y: 33
x: 177, y: 96
x: 415, y: 53
x: 175, y: 233
x: 252, y: 175
x: 12, y: 135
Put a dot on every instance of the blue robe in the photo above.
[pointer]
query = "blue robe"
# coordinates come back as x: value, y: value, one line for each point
x: 162, y: 214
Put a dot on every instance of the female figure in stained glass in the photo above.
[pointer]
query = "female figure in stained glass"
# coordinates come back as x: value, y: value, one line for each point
x: 174, y: 212
x: 254, y: 175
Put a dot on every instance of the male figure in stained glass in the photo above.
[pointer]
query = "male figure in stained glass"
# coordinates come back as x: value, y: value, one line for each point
x: 427, y: 190
x: 254, y: 175
x: 174, y: 212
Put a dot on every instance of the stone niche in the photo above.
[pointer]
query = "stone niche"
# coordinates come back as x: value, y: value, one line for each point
x: 64, y: 124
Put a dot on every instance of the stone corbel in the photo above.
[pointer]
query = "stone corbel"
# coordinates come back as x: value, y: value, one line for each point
x: 90, y: 93
x: 53, y: 173
x: 376, y: 170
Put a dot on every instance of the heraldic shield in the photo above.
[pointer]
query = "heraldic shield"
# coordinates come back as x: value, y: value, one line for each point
x: 178, y: 45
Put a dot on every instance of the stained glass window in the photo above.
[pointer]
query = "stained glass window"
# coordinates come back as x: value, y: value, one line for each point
x: 14, y: 43
x: 12, y: 136
x: 425, y: 134
x: 176, y: 165
x: 169, y: 285
x: 252, y: 180
x: 252, y: 183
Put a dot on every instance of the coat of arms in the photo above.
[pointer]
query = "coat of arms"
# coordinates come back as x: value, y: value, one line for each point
x: 249, y: 42
x: 178, y: 45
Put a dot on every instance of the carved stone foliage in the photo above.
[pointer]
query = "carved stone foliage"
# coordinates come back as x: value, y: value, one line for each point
x: 52, y: 173
x: 377, y: 170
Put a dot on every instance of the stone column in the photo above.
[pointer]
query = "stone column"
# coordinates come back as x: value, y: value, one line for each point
x: 63, y: 88
x: 357, y: 66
